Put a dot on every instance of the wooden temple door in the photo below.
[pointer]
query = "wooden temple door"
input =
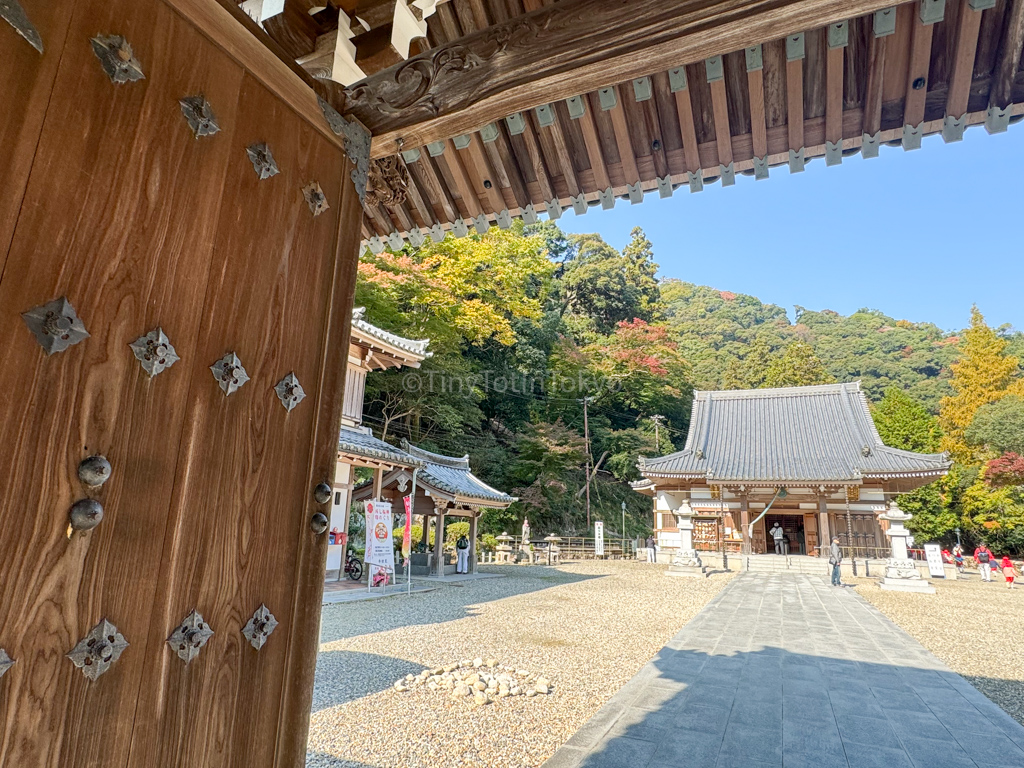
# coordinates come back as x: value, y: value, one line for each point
x: 134, y: 255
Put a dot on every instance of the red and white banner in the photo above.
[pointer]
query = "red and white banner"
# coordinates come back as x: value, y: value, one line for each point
x: 407, y: 533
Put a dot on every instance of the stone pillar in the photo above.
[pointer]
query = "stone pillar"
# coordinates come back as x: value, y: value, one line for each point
x: 686, y: 561
x: 901, y: 574
x: 439, y: 537
x: 745, y: 522
x: 472, y: 541
x: 824, y: 534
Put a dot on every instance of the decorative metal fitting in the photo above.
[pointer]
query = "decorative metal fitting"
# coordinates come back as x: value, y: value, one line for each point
x: 262, y: 161
x: 94, y: 471
x: 229, y: 373
x: 289, y: 391
x: 322, y: 493
x: 98, y: 650
x: 154, y: 351
x: 190, y: 636
x: 85, y: 514
x: 318, y: 523
x: 117, y: 58
x: 55, y: 325
x: 315, y: 198
x: 12, y: 12
x: 259, y: 627
x: 6, y: 662
x: 199, y: 114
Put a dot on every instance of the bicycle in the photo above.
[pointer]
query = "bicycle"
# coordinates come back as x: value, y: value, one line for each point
x: 353, y: 567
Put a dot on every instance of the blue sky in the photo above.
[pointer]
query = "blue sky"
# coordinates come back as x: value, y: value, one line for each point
x: 919, y: 235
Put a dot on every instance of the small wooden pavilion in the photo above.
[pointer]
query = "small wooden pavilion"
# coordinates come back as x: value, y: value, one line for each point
x: 807, y: 458
x: 445, y: 488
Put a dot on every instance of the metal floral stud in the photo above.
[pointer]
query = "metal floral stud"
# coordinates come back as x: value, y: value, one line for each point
x: 229, y: 373
x: 98, y: 650
x: 199, y: 114
x: 12, y: 12
x: 117, y: 58
x: 56, y: 325
x: 6, y: 662
x: 190, y: 636
x: 315, y: 198
x: 262, y: 160
x: 259, y: 627
x: 289, y: 391
x: 154, y: 351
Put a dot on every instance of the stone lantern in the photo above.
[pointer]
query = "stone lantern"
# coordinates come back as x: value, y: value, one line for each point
x: 504, y: 548
x: 901, y: 574
x: 686, y: 561
x: 553, y: 552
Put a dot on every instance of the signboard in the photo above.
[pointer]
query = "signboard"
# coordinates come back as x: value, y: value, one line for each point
x: 407, y: 533
x: 933, y: 553
x: 599, y: 538
x: 380, y: 541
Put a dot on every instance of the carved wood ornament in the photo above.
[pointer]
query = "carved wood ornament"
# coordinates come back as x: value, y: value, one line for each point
x: 388, y: 182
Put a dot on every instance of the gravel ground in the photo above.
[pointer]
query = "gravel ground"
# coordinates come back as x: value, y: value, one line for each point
x: 588, y: 627
x: 976, y: 628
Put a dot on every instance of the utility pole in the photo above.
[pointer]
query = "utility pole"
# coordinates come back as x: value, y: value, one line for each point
x: 586, y: 440
x: 657, y: 418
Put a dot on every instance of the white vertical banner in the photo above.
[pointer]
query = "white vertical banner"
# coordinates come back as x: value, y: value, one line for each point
x: 599, y: 538
x: 380, y: 544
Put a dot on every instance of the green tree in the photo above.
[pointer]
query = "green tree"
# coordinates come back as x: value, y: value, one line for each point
x: 750, y: 371
x: 798, y: 366
x: 998, y: 426
x: 641, y: 271
x: 904, y: 423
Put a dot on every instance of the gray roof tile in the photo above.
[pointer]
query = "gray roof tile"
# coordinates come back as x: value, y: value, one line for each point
x: 452, y: 475
x: 361, y: 442
x: 809, y: 434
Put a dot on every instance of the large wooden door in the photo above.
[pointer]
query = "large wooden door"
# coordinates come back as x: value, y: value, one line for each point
x: 111, y: 202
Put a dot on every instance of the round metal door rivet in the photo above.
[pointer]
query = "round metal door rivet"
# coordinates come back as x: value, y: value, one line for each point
x: 322, y: 493
x: 318, y: 523
x: 86, y: 514
x: 94, y: 471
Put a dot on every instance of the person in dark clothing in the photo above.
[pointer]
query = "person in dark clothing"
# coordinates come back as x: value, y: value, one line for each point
x: 835, y: 558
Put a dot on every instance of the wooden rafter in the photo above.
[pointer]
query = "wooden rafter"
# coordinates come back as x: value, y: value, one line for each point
x: 561, y: 148
x: 593, y: 144
x: 460, y: 176
x: 684, y: 109
x: 917, y: 74
x: 834, y: 68
x: 720, y: 106
x: 755, y: 89
x: 963, y: 63
x: 795, y: 100
x: 568, y: 48
x: 424, y: 173
x: 480, y: 173
x: 622, y: 140
x: 1001, y: 92
x: 873, y: 94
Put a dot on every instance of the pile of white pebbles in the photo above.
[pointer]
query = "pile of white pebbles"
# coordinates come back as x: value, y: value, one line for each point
x: 479, y: 681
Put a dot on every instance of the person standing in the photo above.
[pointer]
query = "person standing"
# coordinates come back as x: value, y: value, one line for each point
x: 1008, y: 571
x: 958, y: 558
x: 779, y: 536
x: 983, y: 557
x: 835, y: 558
x: 462, y: 555
x: 652, y: 549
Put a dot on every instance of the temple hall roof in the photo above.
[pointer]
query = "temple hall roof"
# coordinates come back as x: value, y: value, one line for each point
x: 451, y: 475
x: 360, y: 442
x: 812, y: 434
x: 414, y: 350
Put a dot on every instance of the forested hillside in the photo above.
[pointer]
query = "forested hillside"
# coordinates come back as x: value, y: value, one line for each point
x: 525, y: 323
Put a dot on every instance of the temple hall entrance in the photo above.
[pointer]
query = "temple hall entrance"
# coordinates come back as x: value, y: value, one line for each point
x: 793, y: 540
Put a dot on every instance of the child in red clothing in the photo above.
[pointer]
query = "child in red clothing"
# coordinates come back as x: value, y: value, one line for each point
x: 1008, y: 571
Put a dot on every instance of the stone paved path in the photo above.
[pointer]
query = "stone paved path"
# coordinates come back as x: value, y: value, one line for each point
x: 784, y: 670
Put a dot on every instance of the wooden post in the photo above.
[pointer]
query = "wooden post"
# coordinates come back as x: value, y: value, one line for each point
x: 439, y: 538
x: 472, y: 540
x: 745, y: 521
x: 824, y: 534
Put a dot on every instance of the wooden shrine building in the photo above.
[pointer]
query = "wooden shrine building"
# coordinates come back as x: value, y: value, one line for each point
x: 446, y: 488
x: 810, y: 456
x: 185, y: 188
x: 370, y: 349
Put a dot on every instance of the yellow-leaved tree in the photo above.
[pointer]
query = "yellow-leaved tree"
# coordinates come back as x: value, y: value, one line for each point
x: 983, y: 374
